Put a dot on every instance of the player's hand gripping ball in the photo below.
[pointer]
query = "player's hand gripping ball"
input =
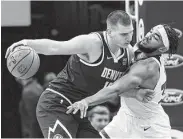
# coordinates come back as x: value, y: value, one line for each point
x: 23, y: 62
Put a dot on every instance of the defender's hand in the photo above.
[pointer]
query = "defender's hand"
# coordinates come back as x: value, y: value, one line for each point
x: 80, y: 105
x: 145, y: 95
x: 14, y: 45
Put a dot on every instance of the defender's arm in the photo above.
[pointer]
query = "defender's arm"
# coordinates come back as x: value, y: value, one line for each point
x: 138, y: 73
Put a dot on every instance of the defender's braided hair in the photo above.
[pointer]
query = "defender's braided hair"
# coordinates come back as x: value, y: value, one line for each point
x: 173, y: 37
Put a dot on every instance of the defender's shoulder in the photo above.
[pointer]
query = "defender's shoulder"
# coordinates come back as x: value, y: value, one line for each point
x: 151, y: 64
x: 145, y: 69
x: 148, y: 65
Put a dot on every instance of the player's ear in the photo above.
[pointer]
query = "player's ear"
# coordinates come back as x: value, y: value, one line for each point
x: 163, y: 49
x: 108, y: 32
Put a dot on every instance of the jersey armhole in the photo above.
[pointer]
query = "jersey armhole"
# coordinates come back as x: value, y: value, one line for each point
x: 156, y: 61
x: 98, y: 61
x: 159, y: 69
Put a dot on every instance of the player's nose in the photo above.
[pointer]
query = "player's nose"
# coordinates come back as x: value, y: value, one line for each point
x: 128, y: 38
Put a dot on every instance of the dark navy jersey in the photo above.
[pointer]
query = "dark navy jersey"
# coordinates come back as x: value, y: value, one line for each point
x: 80, y: 79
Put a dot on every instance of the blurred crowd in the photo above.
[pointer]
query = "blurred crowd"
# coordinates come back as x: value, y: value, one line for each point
x: 31, y: 91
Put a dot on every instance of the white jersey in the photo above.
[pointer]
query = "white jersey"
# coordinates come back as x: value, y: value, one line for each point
x: 152, y: 108
x: 141, y: 120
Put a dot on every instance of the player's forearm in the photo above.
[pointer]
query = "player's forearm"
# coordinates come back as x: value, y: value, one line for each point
x: 100, y: 97
x: 44, y: 46
x: 130, y: 93
x: 119, y: 87
x: 107, y: 93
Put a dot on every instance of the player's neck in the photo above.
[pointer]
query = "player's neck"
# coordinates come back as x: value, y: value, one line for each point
x: 145, y: 55
x: 153, y: 54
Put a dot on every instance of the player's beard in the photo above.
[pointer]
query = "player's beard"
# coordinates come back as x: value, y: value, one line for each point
x: 145, y: 49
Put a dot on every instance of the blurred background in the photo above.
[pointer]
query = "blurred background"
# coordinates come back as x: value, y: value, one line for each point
x: 62, y: 20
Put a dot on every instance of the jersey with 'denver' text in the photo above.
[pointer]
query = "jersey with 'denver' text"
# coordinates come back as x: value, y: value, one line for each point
x: 80, y: 79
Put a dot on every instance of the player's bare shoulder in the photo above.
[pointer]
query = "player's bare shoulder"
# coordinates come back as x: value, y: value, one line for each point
x: 148, y: 67
x: 94, y: 48
x: 151, y: 65
x: 87, y: 41
x: 95, y: 41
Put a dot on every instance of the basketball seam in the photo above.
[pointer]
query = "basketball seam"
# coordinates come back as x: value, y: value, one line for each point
x: 20, y: 61
x: 30, y: 65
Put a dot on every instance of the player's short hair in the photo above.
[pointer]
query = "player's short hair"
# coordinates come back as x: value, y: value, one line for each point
x: 173, y: 39
x: 100, y: 109
x: 118, y: 16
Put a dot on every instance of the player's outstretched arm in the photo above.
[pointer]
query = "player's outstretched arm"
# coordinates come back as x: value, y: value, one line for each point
x: 138, y: 73
x: 81, y: 44
x: 125, y: 86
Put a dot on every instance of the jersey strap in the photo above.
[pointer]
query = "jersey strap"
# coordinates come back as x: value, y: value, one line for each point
x: 101, y: 58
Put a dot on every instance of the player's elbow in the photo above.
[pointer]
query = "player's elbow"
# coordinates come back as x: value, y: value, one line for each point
x: 53, y: 50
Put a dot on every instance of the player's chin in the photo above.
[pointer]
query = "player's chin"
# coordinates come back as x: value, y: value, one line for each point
x: 125, y: 45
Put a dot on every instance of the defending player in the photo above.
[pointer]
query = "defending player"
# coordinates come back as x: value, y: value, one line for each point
x: 137, y: 119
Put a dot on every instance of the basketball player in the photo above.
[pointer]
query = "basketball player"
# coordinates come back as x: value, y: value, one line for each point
x: 137, y: 119
x: 93, y: 56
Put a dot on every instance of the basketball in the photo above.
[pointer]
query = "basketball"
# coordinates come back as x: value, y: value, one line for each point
x: 23, y: 62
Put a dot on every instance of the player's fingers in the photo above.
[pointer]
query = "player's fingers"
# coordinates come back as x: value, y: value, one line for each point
x: 7, y: 53
x: 70, y: 109
x: 148, y: 98
x: 12, y: 47
x: 85, y: 111
x: 145, y: 100
x: 75, y: 110
x: 81, y: 113
x: 17, y: 44
x: 81, y: 107
x: 149, y: 92
x: 149, y: 95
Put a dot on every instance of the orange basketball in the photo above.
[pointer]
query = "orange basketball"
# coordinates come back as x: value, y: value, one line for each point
x: 23, y: 62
